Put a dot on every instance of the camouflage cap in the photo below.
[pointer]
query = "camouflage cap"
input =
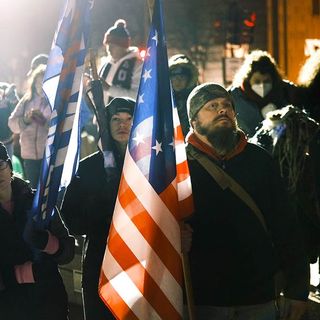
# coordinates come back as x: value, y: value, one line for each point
x: 203, y: 93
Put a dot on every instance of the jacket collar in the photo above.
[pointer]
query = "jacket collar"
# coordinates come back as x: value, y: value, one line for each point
x: 211, y: 152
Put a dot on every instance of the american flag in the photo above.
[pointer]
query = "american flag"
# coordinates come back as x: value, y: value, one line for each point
x: 62, y: 85
x: 141, y: 275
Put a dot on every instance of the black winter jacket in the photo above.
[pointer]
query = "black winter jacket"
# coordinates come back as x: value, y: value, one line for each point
x: 46, y: 298
x: 87, y: 210
x: 233, y: 260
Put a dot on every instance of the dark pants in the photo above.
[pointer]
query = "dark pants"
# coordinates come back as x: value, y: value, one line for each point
x: 32, y: 171
x: 266, y: 311
x: 34, y: 302
x: 94, y: 308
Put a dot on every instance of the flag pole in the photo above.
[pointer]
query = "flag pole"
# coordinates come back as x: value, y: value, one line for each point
x: 188, y: 286
x: 99, y: 110
x: 148, y: 11
x: 93, y: 65
x: 150, y: 4
x: 184, y: 256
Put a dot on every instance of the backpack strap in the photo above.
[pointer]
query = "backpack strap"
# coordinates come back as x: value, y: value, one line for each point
x: 225, y: 181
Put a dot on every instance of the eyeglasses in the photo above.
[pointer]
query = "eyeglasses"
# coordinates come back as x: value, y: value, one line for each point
x: 3, y: 164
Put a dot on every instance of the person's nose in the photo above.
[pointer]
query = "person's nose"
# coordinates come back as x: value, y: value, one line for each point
x: 123, y: 123
x: 222, y: 109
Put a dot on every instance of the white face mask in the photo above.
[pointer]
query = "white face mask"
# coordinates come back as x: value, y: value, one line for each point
x: 262, y: 89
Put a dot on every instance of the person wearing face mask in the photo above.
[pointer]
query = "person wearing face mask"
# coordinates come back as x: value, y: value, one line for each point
x: 258, y: 88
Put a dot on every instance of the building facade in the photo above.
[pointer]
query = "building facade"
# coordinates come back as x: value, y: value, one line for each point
x: 293, y: 32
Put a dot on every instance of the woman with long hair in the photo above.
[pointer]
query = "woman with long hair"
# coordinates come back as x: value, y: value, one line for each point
x: 30, y: 119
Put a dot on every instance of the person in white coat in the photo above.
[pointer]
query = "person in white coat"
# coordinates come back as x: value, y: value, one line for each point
x: 121, y: 71
x: 31, y: 119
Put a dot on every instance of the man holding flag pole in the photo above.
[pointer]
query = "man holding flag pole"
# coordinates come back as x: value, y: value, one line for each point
x: 141, y: 274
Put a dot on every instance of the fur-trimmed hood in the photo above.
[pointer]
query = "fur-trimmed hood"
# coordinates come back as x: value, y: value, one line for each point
x: 181, y: 60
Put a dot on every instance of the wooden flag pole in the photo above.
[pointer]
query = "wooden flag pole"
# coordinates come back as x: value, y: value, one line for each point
x: 93, y: 65
x: 188, y: 286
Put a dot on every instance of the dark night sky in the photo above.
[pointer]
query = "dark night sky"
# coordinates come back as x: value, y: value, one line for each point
x: 27, y: 28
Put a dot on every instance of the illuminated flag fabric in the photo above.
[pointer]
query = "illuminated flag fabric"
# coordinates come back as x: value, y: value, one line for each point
x: 141, y: 275
x: 62, y: 85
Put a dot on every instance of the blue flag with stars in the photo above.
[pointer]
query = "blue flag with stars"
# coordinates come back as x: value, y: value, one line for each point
x: 62, y: 86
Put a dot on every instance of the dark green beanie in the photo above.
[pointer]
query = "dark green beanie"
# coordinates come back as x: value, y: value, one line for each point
x: 203, y: 93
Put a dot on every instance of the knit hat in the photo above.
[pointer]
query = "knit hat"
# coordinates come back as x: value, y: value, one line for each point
x: 118, y: 34
x: 11, y: 94
x: 203, y: 93
x: 120, y: 105
x: 36, y: 61
x: 4, y: 154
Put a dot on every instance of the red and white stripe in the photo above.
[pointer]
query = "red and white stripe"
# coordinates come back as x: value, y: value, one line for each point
x: 141, y: 275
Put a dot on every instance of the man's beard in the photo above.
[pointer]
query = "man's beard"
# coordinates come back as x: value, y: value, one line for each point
x: 222, y: 139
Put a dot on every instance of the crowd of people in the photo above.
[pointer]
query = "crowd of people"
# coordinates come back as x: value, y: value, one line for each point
x: 254, y: 158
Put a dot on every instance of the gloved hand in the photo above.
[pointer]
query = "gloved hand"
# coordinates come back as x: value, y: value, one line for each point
x: 34, y: 236
x: 38, y: 117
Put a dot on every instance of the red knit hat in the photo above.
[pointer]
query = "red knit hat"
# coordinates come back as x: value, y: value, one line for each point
x: 118, y: 34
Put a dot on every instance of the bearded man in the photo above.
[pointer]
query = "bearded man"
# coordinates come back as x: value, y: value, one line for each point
x: 238, y: 240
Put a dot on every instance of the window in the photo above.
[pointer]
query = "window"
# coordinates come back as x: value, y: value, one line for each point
x: 316, y: 7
